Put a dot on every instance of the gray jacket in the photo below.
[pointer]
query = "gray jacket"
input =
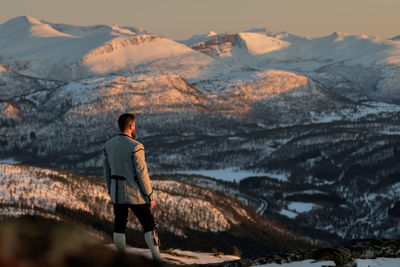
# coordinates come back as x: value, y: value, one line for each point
x: 125, y: 171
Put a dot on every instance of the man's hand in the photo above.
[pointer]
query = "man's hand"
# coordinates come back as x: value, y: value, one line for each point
x: 152, y: 204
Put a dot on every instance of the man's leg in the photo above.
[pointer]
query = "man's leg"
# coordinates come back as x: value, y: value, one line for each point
x: 121, y: 218
x: 146, y: 219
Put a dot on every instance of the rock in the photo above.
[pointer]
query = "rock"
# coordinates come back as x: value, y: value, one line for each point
x: 343, y: 255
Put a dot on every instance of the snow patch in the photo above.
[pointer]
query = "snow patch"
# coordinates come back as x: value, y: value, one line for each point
x: 9, y: 161
x: 387, y: 262
x: 305, y: 263
x: 228, y: 174
x: 301, y: 207
x: 288, y: 213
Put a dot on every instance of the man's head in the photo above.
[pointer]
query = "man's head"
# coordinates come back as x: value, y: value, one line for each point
x: 126, y: 124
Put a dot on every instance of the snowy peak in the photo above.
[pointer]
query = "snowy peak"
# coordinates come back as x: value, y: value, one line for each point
x: 85, y: 31
x: 34, y: 48
x: 229, y: 44
x: 258, y: 44
x: 21, y: 21
x: 40, y: 28
x: 289, y: 37
x: 397, y: 38
x: 31, y: 26
x: 264, y: 31
x: 199, y: 38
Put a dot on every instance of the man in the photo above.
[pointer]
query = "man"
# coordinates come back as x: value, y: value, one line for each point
x: 128, y: 184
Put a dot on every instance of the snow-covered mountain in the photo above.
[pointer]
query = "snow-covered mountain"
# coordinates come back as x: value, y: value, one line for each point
x: 371, y: 62
x: 45, y: 50
x: 63, y: 52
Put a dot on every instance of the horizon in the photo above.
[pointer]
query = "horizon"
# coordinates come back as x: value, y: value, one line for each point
x: 179, y: 20
x: 254, y: 29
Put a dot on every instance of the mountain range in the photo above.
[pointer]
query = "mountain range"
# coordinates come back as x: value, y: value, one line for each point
x: 316, y: 119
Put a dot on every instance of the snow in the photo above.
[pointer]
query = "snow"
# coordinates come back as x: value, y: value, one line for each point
x: 304, y: 263
x: 228, y: 174
x: 41, y: 49
x: 258, y: 44
x: 65, y: 52
x: 178, y: 256
x: 9, y: 161
x: 199, y: 38
x: 300, y: 207
x: 37, y: 187
x: 288, y: 213
x: 255, y: 85
x: 281, y: 176
x: 33, y: 186
x: 386, y: 262
x: 367, y: 109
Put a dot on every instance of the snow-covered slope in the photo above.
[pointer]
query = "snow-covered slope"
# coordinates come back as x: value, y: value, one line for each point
x: 371, y: 62
x: 149, y: 92
x: 289, y: 49
x: 45, y: 50
x: 273, y: 92
x: 183, y: 211
x: 37, y: 187
x: 239, y: 48
x: 63, y: 52
x: 13, y: 84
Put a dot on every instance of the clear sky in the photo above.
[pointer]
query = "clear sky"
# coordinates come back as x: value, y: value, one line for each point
x: 179, y: 19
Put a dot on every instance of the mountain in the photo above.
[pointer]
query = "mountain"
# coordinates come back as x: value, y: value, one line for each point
x: 14, y: 84
x: 198, y: 38
x: 371, y: 62
x: 290, y: 37
x: 304, y: 115
x: 397, y: 38
x: 185, y: 213
x: 62, y: 52
x: 166, y: 105
x: 239, y: 47
x: 264, y: 31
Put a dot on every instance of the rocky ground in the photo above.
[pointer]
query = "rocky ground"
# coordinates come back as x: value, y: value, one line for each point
x: 344, y: 255
x: 27, y: 243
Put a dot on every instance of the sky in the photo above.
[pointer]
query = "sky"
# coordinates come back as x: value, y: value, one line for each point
x: 180, y: 19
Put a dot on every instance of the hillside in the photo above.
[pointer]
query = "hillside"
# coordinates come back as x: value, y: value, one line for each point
x: 185, y: 213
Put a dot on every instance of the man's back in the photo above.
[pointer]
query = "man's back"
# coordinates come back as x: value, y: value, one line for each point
x: 120, y: 149
x: 124, y: 158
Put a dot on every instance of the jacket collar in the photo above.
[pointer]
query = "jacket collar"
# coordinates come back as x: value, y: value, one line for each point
x: 125, y: 135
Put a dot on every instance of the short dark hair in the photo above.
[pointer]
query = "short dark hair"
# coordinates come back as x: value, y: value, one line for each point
x: 124, y: 120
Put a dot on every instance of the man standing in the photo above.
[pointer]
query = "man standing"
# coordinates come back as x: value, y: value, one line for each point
x: 128, y: 184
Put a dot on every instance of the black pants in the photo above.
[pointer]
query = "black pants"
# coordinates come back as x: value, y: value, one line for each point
x: 142, y: 212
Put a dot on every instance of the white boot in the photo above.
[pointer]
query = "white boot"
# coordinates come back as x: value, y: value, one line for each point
x: 120, y: 242
x: 152, y: 241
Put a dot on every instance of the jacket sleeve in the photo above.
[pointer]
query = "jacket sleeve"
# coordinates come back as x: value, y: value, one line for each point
x: 106, y: 170
x: 141, y: 172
